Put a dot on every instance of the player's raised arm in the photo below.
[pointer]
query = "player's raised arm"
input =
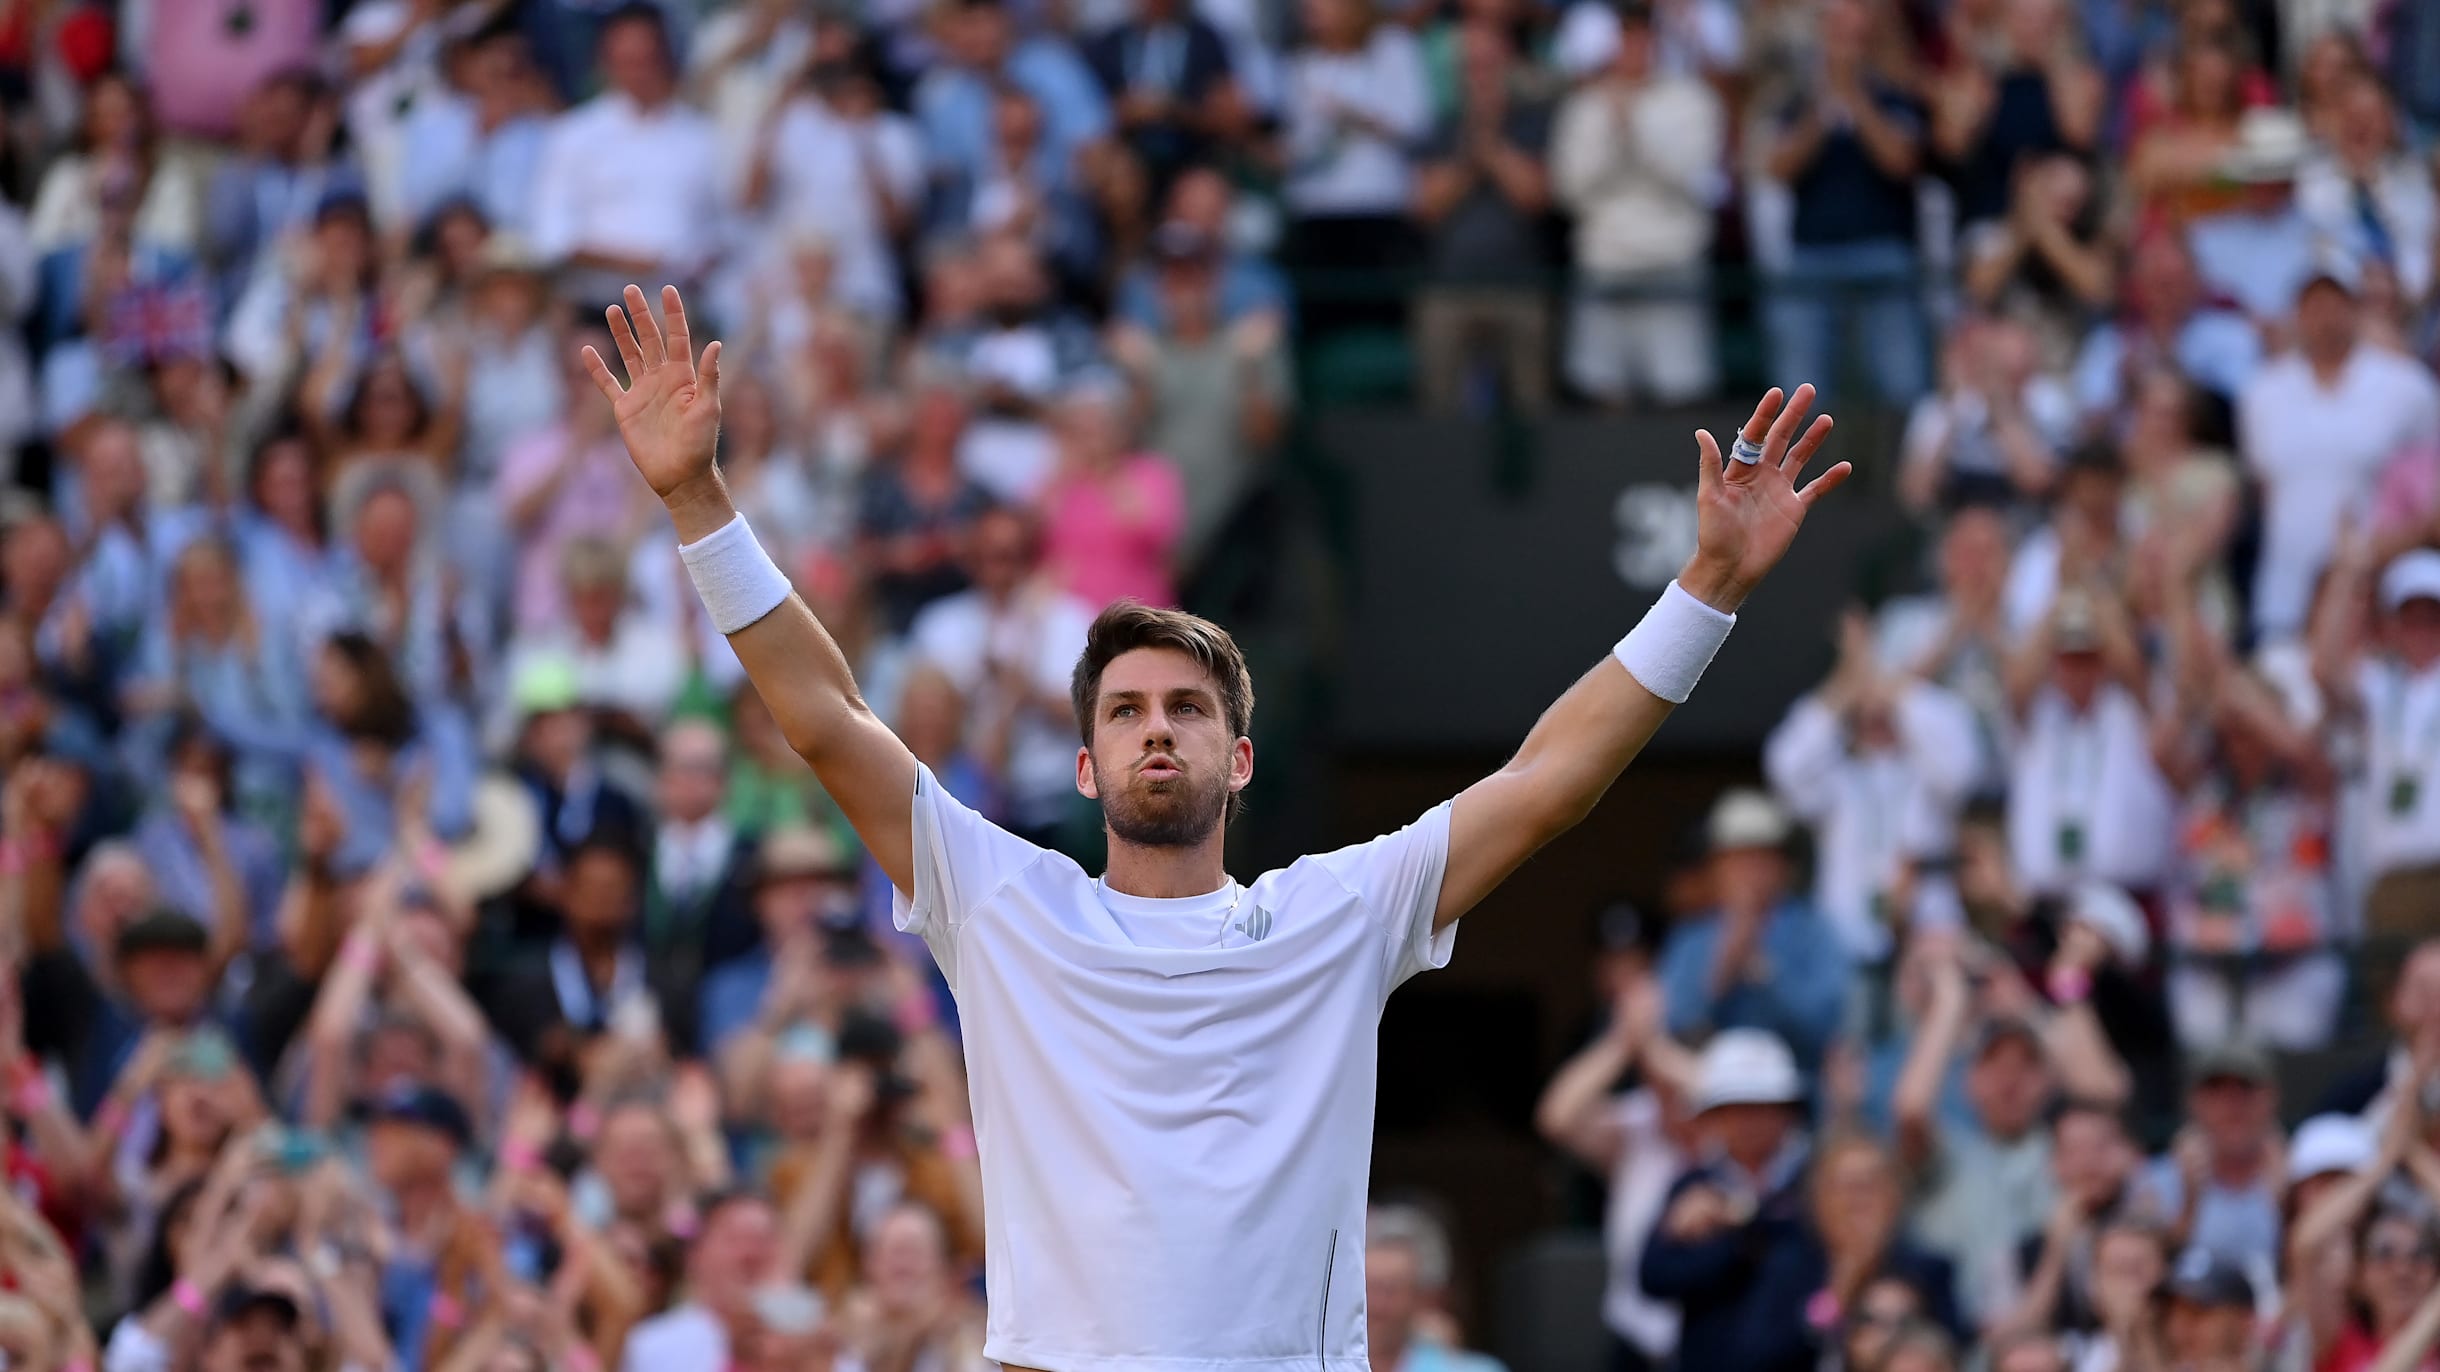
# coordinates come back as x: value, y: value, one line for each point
x: 1749, y: 509
x: 669, y: 415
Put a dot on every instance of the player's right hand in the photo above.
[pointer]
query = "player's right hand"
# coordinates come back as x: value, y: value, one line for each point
x: 669, y: 411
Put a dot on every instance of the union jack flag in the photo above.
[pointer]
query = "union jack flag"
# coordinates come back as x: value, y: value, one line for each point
x: 156, y: 322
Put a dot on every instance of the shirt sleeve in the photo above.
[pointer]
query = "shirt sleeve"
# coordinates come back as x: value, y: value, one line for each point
x: 1397, y: 878
x: 132, y: 1348
x: 554, y: 211
x: 959, y: 860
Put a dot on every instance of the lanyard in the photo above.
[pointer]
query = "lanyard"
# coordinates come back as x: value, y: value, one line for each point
x: 2403, y: 760
x: 2075, y: 767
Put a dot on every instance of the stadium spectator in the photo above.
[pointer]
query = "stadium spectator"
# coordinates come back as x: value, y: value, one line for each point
x: 1763, y: 958
x: 1636, y: 1140
x: 1406, y: 1279
x: 1214, y: 392
x: 1357, y: 100
x: 1481, y: 193
x: 1635, y: 156
x: 1814, y: 1292
x: 586, y: 218
x: 1879, y: 765
x: 1849, y: 149
x: 1113, y: 514
x: 1743, y: 1202
x: 478, y: 137
x: 2364, y: 190
x: 2168, y: 322
x: 2315, y: 428
x: 1007, y: 646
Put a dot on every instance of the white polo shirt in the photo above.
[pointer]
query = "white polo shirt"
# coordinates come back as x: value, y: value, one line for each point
x: 1873, y: 811
x: 2085, y: 800
x: 1173, y: 1098
x: 586, y: 196
x: 2401, y: 766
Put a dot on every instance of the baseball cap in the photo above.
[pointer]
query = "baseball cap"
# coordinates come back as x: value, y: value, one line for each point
x: 1746, y: 818
x: 163, y: 931
x: 2329, y: 1143
x: 2234, y: 1060
x: 429, y: 1107
x: 2409, y: 576
x: 1747, y: 1067
x: 241, y: 1300
x: 2204, y: 1278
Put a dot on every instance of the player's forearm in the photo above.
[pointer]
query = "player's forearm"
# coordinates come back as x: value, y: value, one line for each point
x: 802, y: 676
x: 1583, y: 742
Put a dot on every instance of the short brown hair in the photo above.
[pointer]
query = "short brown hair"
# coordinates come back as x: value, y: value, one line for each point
x: 1131, y: 624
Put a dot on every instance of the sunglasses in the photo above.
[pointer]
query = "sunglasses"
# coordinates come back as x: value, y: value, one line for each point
x: 2393, y: 1251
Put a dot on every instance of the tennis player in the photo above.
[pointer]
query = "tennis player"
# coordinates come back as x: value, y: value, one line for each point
x: 1173, y: 1074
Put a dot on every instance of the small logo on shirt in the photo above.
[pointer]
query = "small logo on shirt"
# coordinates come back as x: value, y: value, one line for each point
x: 1256, y: 926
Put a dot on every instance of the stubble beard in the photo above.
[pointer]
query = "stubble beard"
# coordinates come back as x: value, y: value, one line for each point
x: 1176, y: 813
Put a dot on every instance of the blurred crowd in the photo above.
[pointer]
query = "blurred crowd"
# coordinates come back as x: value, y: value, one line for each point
x: 427, y: 953
x: 2069, y: 996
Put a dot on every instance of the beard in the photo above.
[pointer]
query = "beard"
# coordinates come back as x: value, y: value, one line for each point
x: 1179, y: 812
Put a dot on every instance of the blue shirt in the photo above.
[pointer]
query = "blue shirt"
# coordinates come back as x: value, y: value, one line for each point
x: 1800, y: 994
x: 1247, y: 284
x: 448, y: 157
x: 2216, y: 349
x: 953, y: 105
x: 185, y: 883
x: 444, y: 744
x: 731, y: 993
x: 2257, y: 260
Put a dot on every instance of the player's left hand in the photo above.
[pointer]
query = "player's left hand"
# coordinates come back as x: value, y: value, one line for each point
x: 1746, y: 513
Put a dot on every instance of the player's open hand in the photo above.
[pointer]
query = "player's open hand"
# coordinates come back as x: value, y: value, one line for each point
x: 1748, y: 512
x: 669, y: 410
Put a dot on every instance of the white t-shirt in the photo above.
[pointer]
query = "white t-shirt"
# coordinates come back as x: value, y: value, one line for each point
x: 2318, y: 453
x: 585, y: 192
x: 687, y: 1339
x: 824, y: 170
x: 1173, y: 1098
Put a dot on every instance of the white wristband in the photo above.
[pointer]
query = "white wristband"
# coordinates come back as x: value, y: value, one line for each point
x: 736, y: 578
x: 1670, y: 646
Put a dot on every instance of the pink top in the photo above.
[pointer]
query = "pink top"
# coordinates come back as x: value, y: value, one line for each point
x: 1111, y: 536
x: 601, y: 496
x: 2408, y: 490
